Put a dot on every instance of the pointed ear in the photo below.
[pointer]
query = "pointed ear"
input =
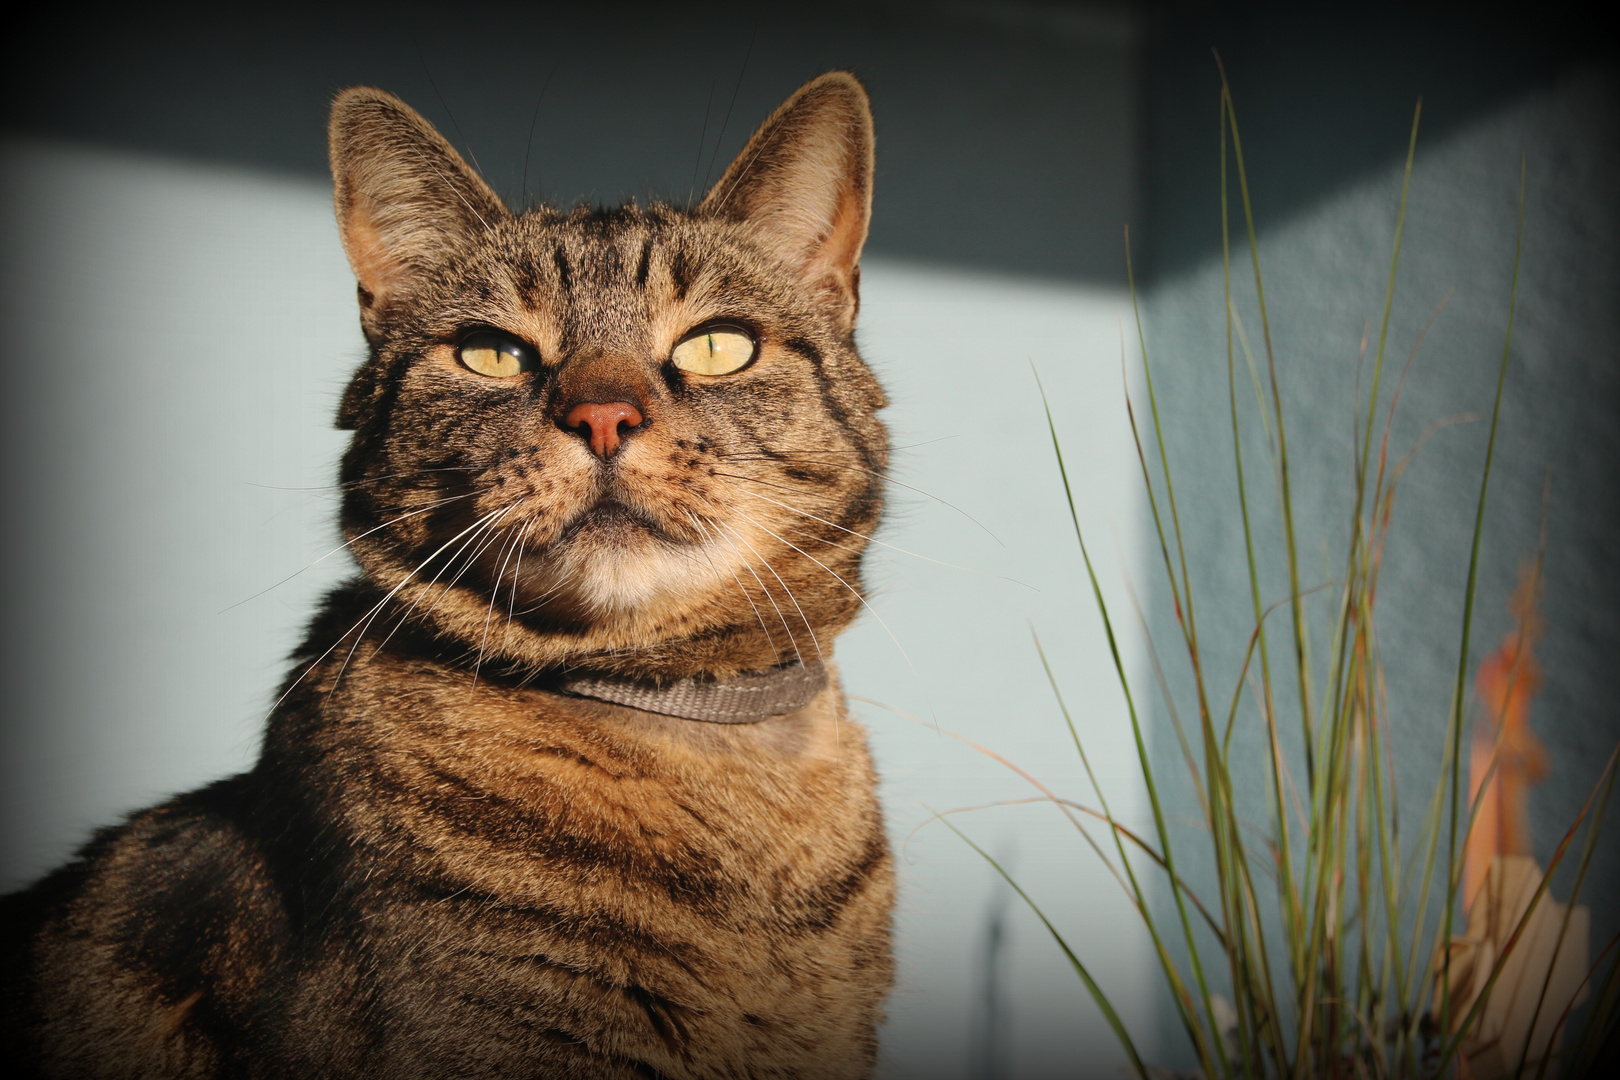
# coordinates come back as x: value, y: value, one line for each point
x: 803, y: 187
x: 403, y: 194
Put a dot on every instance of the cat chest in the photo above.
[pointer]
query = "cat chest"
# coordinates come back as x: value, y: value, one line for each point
x: 546, y: 890
x: 583, y: 983
x: 545, y: 797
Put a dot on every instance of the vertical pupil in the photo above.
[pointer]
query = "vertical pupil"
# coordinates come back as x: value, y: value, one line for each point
x: 710, y: 339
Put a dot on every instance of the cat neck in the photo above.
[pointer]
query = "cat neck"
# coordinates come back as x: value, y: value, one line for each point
x: 359, y: 619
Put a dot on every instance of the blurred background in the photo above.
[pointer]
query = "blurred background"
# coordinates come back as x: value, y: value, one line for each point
x: 179, y: 321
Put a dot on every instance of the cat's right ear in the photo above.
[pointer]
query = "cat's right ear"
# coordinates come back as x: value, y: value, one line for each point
x: 803, y: 187
x: 403, y: 195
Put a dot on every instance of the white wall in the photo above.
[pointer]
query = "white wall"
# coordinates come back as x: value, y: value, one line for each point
x: 175, y: 342
x: 177, y: 338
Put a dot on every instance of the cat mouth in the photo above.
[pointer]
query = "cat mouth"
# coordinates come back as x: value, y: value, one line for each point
x: 614, y: 560
x: 610, y: 519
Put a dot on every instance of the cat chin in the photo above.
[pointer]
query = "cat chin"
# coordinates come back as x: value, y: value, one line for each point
x: 625, y: 575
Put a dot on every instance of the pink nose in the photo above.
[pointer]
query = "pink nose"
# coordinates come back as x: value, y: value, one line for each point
x: 603, y: 422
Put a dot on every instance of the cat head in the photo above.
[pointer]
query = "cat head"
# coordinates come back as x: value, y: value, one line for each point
x: 634, y: 440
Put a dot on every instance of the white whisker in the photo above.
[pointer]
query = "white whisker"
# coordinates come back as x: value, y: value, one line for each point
x: 698, y: 524
x: 896, y: 483
x: 720, y: 531
x: 494, y: 593
x: 724, y: 528
x: 352, y: 484
x: 488, y: 524
x: 347, y: 543
x: 830, y: 450
x: 873, y: 539
x: 366, y: 619
x: 517, y: 576
x: 785, y: 588
x: 855, y: 593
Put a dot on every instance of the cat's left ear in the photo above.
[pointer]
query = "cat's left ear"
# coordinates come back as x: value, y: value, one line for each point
x: 803, y: 187
x: 404, y: 196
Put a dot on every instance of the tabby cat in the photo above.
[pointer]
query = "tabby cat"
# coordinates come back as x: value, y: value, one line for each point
x: 561, y: 784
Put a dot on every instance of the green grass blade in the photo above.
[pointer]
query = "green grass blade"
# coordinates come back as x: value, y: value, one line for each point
x: 1189, y: 622
x: 1288, y: 898
x: 1389, y: 305
x: 1096, y: 992
x: 1456, y: 725
x: 1282, y: 434
x: 1194, y: 1024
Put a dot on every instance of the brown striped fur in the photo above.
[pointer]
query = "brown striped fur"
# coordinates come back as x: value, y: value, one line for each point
x: 439, y: 867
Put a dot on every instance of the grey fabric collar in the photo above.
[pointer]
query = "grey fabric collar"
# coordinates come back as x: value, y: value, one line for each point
x: 746, y: 699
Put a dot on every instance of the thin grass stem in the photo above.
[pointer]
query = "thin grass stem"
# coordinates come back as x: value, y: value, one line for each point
x: 1455, y: 731
x: 1195, y: 1028
x: 1096, y: 992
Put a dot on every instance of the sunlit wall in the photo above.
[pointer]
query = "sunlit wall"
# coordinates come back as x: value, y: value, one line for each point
x: 178, y: 337
x: 179, y: 322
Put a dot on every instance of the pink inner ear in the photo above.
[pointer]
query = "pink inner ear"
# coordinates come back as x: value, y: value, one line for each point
x: 842, y: 245
x: 803, y: 181
x: 372, y: 268
x: 832, y: 265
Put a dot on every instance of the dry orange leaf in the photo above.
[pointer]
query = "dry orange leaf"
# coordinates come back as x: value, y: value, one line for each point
x: 1500, y: 875
x: 1507, y: 680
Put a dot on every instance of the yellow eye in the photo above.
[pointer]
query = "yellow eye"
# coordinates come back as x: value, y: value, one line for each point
x: 494, y: 355
x: 715, y: 350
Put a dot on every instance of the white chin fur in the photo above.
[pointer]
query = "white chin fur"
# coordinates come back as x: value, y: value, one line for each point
x: 606, y: 581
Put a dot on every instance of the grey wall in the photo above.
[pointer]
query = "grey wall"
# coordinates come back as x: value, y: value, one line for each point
x: 1325, y: 101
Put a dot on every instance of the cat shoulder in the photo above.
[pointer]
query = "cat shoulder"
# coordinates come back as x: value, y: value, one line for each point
x: 155, y: 937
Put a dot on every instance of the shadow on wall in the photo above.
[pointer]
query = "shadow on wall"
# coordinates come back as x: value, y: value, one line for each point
x: 1324, y: 94
x: 1005, y: 131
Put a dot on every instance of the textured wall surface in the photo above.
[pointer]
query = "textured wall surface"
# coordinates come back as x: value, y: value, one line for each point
x: 1326, y: 261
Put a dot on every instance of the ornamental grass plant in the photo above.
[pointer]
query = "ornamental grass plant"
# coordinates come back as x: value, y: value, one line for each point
x: 1343, y: 944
